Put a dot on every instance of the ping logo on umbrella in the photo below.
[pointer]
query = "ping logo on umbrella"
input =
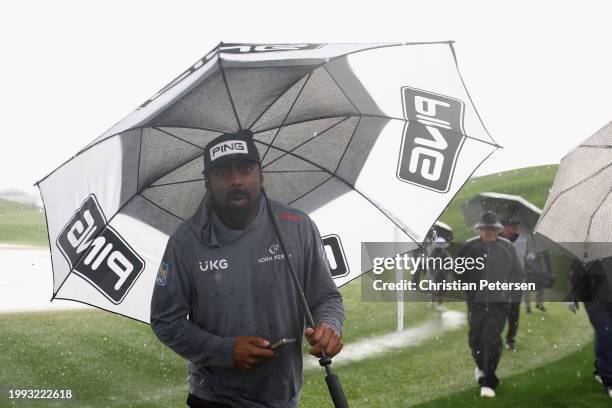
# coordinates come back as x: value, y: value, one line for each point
x: 98, y: 254
x: 335, y: 255
x: 432, y: 139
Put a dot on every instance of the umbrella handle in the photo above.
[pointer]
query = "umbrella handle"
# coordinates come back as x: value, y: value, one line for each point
x: 335, y: 391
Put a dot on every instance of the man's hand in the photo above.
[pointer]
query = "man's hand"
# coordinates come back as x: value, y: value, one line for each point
x: 323, y: 337
x: 250, y: 352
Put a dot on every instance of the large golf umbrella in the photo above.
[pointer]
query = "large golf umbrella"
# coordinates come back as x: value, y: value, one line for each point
x: 366, y: 139
x: 504, y: 205
x: 578, y: 211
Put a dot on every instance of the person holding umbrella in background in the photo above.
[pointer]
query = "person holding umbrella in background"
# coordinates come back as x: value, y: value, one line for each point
x: 511, y: 233
x: 577, y: 217
x: 223, y: 294
x: 488, y: 309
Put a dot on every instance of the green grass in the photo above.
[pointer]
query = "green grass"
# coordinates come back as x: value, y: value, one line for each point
x: 567, y: 382
x: 111, y: 361
x: 22, y: 224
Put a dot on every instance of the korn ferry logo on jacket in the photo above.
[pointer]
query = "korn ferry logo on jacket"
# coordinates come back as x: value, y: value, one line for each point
x: 98, y: 254
x: 432, y: 139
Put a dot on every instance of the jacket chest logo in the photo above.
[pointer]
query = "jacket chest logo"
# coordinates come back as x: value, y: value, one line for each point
x: 274, y: 254
x: 214, y: 265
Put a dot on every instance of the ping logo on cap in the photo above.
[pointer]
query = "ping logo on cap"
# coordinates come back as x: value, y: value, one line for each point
x: 228, y: 147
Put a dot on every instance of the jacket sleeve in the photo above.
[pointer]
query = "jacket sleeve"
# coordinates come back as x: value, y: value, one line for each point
x: 322, y: 294
x: 170, y: 307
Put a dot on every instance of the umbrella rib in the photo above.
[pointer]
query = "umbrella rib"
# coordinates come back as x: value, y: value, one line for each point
x: 310, y: 190
x: 596, y: 146
x: 181, y: 164
x: 299, y: 122
x: 595, y: 212
x: 220, y: 60
x: 570, y: 188
x: 292, y: 171
x: 286, y: 116
x: 48, y: 237
x: 308, y: 140
x: 139, y: 157
x: 160, y: 207
x: 177, y: 137
x: 348, y: 144
x: 175, y: 183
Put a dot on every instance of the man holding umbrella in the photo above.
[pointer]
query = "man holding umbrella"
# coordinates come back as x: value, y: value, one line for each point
x: 487, y: 308
x: 511, y: 233
x: 223, y: 294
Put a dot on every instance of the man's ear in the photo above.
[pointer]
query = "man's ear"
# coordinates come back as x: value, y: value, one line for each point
x: 206, y: 185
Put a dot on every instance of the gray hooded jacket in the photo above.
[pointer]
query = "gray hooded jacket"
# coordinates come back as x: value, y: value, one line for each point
x: 215, y: 284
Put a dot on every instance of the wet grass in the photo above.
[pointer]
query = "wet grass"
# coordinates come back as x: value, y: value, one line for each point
x: 111, y: 361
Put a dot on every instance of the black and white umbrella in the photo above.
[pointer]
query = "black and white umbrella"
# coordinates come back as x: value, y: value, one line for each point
x: 440, y: 230
x: 367, y: 139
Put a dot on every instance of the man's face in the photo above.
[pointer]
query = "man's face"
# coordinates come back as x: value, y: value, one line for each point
x: 510, y: 230
x: 235, y: 187
x: 488, y: 233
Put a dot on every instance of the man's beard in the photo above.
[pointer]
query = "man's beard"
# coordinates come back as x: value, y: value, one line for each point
x: 237, y: 215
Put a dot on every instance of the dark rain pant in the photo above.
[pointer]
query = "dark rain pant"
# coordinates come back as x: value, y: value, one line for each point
x: 486, y: 323
x: 513, y: 320
x: 600, y: 315
x: 539, y: 297
x: 195, y: 402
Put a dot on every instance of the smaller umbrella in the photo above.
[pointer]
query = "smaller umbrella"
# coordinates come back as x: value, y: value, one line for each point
x: 578, y: 212
x: 504, y: 205
x: 440, y: 230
